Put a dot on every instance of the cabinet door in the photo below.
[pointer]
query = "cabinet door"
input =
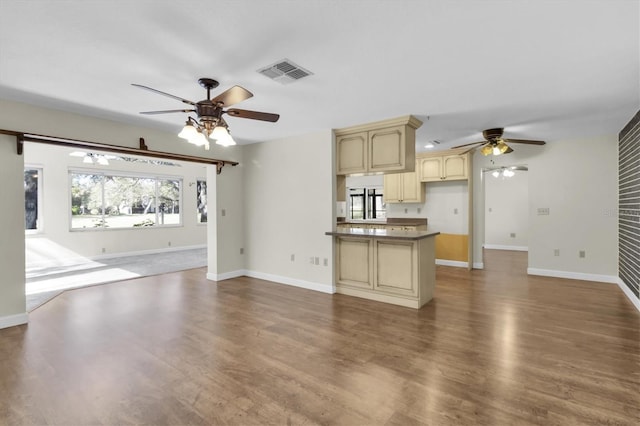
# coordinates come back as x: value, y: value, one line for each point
x: 351, y: 153
x: 455, y: 167
x: 412, y: 189
x: 392, y: 188
x: 396, y: 270
x: 387, y: 150
x: 354, y: 262
x: 430, y: 169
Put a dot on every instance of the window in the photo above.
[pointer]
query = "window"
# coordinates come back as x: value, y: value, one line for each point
x: 32, y: 199
x: 201, y: 200
x: 101, y: 201
x: 366, y: 204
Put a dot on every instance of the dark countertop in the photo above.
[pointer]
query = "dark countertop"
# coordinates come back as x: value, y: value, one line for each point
x: 388, y: 222
x: 382, y: 233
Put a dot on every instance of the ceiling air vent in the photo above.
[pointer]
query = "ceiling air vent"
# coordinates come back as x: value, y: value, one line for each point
x: 284, y: 72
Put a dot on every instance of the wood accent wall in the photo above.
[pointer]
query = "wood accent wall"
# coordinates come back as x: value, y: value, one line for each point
x: 629, y: 205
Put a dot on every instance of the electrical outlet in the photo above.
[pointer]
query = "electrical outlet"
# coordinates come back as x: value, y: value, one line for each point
x: 455, y: 211
x: 224, y: 212
x: 543, y: 211
x: 326, y: 262
x: 169, y: 244
x: 512, y: 235
x: 241, y: 250
x: 490, y: 209
x: 581, y: 254
x: 556, y: 252
x: 293, y: 257
x: 406, y: 211
x: 317, y: 261
x: 419, y: 210
x: 104, y: 250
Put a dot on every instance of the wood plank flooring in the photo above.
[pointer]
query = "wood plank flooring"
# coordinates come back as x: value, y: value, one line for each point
x: 495, y: 347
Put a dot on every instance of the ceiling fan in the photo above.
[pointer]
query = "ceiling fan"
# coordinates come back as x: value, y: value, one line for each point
x: 495, y: 144
x: 210, y: 123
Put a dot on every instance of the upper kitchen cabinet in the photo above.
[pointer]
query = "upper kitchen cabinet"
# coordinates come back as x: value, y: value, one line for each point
x: 383, y: 147
x: 351, y: 153
x: 403, y: 188
x: 443, y: 166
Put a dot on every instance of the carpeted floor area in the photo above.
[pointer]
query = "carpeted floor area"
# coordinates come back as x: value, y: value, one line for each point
x: 45, y: 283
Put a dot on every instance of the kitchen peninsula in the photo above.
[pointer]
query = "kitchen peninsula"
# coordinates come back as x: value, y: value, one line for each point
x: 392, y: 266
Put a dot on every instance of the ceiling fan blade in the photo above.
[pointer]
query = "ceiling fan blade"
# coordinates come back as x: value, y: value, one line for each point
x: 254, y: 115
x: 232, y: 96
x: 527, y: 141
x: 186, y: 101
x: 469, y: 144
x: 167, y: 111
x: 509, y: 149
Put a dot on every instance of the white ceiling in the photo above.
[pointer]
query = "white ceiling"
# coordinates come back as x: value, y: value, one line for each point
x: 541, y: 69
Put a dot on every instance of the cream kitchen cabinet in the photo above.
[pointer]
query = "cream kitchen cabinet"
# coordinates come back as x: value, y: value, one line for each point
x: 351, y: 153
x: 403, y: 188
x: 446, y: 167
x: 383, y: 147
x: 397, y: 267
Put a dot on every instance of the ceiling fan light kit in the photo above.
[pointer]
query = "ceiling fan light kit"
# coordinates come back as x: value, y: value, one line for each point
x: 210, y: 125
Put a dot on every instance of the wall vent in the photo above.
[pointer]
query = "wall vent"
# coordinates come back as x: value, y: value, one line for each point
x: 284, y: 72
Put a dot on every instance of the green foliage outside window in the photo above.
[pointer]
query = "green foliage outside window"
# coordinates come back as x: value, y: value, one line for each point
x: 120, y: 201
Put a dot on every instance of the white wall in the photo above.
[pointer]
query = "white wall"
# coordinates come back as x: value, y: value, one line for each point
x: 57, y: 243
x: 288, y: 207
x: 577, y: 181
x: 507, y: 211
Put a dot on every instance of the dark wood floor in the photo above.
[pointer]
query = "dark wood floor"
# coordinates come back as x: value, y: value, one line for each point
x: 495, y: 347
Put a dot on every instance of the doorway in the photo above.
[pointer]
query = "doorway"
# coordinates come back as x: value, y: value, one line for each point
x: 506, y: 215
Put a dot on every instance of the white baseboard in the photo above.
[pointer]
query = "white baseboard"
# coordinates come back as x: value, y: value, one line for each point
x: 455, y: 263
x: 143, y: 252
x: 227, y: 275
x: 324, y: 288
x: 503, y: 247
x: 478, y: 265
x: 84, y: 259
x: 612, y: 279
x: 13, y: 320
x: 627, y: 292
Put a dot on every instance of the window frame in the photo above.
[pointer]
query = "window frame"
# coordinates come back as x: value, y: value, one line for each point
x: 157, y: 177
x: 379, y: 193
